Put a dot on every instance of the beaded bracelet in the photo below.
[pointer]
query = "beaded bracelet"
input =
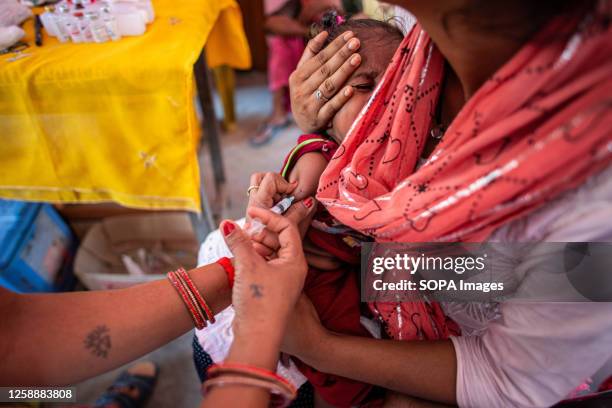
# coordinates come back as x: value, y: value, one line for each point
x: 227, y: 265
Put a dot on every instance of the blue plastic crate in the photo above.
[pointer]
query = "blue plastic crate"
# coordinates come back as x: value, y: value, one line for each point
x: 36, y: 248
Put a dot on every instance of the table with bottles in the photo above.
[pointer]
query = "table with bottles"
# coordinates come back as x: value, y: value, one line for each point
x: 113, y: 119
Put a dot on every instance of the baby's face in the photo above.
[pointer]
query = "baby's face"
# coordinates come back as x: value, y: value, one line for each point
x: 364, y: 80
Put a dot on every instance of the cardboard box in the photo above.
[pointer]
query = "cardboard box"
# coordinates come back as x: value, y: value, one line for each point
x: 157, y: 243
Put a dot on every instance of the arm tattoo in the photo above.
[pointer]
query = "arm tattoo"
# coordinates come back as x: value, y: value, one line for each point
x: 256, y: 290
x: 98, y: 341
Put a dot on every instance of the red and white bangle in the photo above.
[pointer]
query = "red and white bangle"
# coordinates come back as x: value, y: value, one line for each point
x: 209, y: 316
x: 193, y: 300
x: 189, y: 302
x: 223, y: 374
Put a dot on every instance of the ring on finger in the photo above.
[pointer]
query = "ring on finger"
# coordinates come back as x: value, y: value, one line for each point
x: 319, y: 95
x: 251, y: 188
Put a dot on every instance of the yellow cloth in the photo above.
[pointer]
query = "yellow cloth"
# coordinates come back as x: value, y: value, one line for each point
x: 114, y: 121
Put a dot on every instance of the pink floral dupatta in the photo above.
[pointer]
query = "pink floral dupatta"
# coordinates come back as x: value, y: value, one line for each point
x: 541, y: 125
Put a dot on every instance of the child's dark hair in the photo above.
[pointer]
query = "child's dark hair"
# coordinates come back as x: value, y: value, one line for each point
x: 364, y: 28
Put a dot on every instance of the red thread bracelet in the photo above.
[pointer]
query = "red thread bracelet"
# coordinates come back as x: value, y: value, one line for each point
x: 202, y: 303
x: 227, y: 265
x: 197, y: 318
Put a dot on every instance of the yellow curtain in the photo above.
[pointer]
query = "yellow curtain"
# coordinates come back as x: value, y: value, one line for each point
x: 114, y: 121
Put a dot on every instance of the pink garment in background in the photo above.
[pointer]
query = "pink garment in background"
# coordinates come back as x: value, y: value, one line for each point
x: 272, y: 6
x: 283, y: 55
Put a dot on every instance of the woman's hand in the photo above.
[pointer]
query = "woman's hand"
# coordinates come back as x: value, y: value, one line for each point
x: 304, y: 335
x: 325, y: 70
x: 268, y: 188
x: 265, y: 291
x: 263, y: 295
x: 271, y: 187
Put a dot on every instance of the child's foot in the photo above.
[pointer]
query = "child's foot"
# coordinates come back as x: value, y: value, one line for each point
x: 132, y: 388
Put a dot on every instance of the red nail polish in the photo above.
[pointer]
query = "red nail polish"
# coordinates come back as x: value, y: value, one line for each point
x: 308, y: 202
x: 227, y: 228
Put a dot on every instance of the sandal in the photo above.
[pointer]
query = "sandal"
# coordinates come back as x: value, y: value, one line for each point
x: 132, y: 389
x: 267, y: 132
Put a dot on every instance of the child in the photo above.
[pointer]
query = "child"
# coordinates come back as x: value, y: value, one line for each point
x: 332, y: 286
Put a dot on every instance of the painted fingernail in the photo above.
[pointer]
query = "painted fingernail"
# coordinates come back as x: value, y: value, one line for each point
x: 355, y: 60
x: 308, y: 202
x: 348, y: 91
x: 347, y: 36
x: 227, y: 228
x: 353, y: 44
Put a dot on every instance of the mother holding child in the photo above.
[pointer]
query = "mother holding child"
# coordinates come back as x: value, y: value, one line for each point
x: 492, y: 122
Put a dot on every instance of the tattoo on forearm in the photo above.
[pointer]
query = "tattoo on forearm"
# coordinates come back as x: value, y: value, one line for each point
x: 256, y: 290
x: 98, y: 341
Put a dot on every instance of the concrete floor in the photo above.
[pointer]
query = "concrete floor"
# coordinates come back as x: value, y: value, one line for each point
x: 178, y: 385
x: 253, y: 103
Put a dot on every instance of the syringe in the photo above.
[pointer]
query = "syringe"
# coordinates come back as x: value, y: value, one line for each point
x: 256, y: 226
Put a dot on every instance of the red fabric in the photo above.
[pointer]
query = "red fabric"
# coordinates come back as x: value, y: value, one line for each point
x: 327, y: 148
x: 335, y: 296
x: 606, y: 385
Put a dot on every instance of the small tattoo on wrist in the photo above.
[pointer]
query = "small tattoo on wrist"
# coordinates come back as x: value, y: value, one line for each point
x: 256, y: 290
x: 98, y: 341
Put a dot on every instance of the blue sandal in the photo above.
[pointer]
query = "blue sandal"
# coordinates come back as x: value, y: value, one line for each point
x: 121, y: 393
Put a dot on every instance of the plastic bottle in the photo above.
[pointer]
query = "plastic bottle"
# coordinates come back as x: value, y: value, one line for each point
x: 96, y: 26
x: 110, y: 23
x: 69, y: 24
x: 53, y: 25
x: 84, y: 27
x: 72, y: 26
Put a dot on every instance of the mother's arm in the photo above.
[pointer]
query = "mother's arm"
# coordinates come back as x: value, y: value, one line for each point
x: 424, y: 369
x: 535, y: 356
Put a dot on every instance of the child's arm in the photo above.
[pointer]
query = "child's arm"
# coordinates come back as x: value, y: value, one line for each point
x: 307, y: 171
